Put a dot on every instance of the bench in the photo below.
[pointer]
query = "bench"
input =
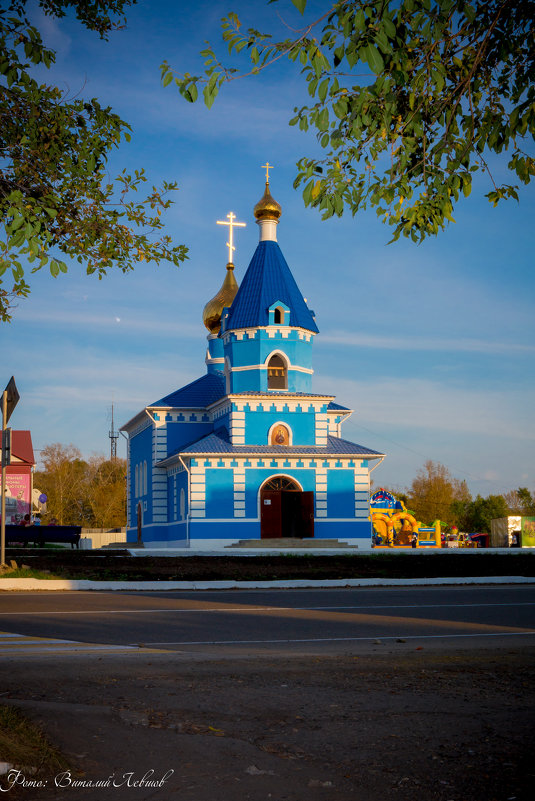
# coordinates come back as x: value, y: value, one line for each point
x: 39, y: 535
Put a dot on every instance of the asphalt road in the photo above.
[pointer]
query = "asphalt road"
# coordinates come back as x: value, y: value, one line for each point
x: 246, y: 623
x: 410, y: 693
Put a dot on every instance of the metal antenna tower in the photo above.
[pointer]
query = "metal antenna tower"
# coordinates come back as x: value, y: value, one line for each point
x: 114, y: 436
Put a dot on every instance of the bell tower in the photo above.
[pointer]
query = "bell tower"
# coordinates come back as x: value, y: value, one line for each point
x: 268, y: 331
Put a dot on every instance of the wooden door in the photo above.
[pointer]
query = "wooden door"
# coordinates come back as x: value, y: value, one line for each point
x: 297, y: 514
x: 270, y: 514
x: 307, y: 514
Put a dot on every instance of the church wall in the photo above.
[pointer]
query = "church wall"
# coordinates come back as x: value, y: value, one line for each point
x: 140, y: 455
x: 340, y: 493
x: 251, y: 348
x: 258, y: 424
x: 190, y: 428
x: 219, y: 498
x: 354, y: 532
x: 255, y: 379
x: 177, y: 495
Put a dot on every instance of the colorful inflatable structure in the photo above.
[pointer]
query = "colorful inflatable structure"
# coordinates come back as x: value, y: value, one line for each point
x: 395, y: 527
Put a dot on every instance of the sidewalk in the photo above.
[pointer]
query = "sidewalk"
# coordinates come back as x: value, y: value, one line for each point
x: 55, y: 585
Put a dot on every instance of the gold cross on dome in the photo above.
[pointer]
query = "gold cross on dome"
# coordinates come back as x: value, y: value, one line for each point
x: 231, y: 224
x: 267, y: 167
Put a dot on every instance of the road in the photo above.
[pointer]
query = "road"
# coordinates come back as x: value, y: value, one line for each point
x: 345, y: 695
x: 246, y: 623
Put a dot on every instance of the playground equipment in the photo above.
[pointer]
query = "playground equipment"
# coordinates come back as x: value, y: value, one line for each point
x: 395, y: 527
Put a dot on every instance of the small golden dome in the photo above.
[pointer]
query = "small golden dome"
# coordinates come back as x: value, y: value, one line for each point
x: 267, y: 208
x: 212, y: 311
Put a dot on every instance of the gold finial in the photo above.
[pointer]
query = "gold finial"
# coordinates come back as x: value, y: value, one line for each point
x: 267, y: 207
x: 212, y: 311
x: 267, y: 167
x: 231, y: 224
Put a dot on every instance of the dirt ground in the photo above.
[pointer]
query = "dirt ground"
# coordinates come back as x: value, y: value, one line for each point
x: 103, y: 565
x: 424, y: 726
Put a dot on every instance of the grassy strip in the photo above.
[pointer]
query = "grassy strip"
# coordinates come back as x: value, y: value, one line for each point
x: 23, y: 745
x: 27, y: 572
x: 103, y: 567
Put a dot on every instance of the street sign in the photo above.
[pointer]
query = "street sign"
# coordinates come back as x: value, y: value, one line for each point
x: 6, y: 447
x: 13, y: 398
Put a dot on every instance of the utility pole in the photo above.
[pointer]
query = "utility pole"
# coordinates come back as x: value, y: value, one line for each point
x: 114, y: 436
x: 10, y: 398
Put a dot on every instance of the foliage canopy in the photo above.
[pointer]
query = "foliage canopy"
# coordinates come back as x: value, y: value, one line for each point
x: 409, y: 98
x: 56, y: 198
x: 84, y: 492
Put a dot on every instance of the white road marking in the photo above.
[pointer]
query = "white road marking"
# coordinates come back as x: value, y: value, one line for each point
x: 25, y: 644
x: 254, y: 609
x: 342, y: 639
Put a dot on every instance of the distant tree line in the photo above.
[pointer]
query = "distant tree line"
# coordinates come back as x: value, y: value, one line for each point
x: 436, y: 495
x: 82, y: 492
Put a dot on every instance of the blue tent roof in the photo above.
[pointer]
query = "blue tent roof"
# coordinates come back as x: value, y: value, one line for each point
x: 199, y: 394
x: 268, y: 279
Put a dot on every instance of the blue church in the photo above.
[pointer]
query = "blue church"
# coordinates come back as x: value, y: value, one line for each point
x: 248, y: 451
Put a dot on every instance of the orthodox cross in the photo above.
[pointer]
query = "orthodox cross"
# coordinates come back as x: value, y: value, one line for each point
x: 267, y: 167
x: 231, y: 224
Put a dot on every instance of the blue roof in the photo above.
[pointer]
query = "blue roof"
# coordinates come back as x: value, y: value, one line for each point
x: 336, y: 407
x: 199, y: 394
x: 219, y: 443
x: 268, y: 279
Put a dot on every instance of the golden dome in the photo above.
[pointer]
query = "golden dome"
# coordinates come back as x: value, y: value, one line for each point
x: 212, y: 311
x: 267, y: 207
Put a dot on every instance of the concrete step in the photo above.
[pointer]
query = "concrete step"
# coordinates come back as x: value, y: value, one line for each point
x: 114, y: 546
x: 290, y: 542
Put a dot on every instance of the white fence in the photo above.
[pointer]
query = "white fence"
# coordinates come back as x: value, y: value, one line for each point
x: 97, y: 537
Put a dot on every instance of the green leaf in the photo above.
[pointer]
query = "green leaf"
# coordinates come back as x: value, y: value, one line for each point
x: 300, y: 5
x: 16, y: 223
x: 193, y: 92
x: 54, y: 268
x: 374, y: 59
x: 322, y: 89
x: 167, y: 79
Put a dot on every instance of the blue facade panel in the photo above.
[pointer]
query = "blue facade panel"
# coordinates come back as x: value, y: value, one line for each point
x: 140, y: 453
x: 344, y: 529
x: 219, y: 492
x: 183, y: 433
x: 255, y: 352
x: 258, y: 424
x: 340, y: 493
x: 171, y: 498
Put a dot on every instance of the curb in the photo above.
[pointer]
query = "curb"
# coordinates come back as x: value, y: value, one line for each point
x: 62, y: 585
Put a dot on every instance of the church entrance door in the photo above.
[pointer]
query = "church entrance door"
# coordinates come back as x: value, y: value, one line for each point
x: 285, y: 510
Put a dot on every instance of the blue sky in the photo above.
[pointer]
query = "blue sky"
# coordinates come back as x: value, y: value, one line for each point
x: 433, y: 346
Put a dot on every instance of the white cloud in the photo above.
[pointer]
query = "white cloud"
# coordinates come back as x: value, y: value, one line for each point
x: 419, y: 343
x: 420, y: 404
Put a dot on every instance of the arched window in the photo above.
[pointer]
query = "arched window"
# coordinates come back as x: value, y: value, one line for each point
x: 144, y: 478
x: 182, y: 504
x: 280, y: 435
x: 136, y: 482
x: 278, y: 316
x: 277, y: 373
x: 278, y: 483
